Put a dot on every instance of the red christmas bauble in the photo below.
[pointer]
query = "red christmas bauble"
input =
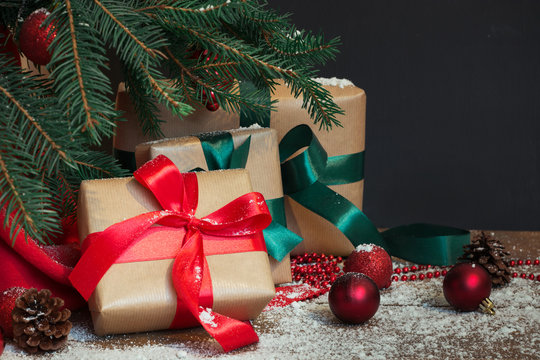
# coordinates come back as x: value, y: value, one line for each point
x: 373, y: 261
x: 34, y: 40
x: 7, y: 45
x: 212, y: 104
x: 354, y: 298
x: 7, y: 303
x: 466, y: 285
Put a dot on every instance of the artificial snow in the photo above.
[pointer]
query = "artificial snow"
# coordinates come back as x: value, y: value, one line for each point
x: 365, y: 247
x: 334, y: 82
x: 414, y: 321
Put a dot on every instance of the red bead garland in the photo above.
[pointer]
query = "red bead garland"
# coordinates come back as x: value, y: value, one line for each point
x: 443, y: 270
x: 526, y: 262
x: 321, y: 270
x: 317, y: 270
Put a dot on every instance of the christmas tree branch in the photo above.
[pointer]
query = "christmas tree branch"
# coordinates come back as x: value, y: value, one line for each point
x: 262, y: 64
x: 188, y: 10
x: 160, y: 89
x: 267, y: 36
x: 99, y: 169
x: 34, y: 123
x: 225, y: 64
x: 48, y: 128
x: 224, y: 87
x: 152, y: 52
x: 145, y: 106
x: 90, y: 121
x: 21, y: 209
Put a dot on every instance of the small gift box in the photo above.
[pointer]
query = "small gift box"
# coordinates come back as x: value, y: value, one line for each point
x: 340, y: 169
x: 256, y: 150
x: 204, y: 264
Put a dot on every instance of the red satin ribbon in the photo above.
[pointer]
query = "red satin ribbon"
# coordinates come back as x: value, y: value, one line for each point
x: 178, y: 195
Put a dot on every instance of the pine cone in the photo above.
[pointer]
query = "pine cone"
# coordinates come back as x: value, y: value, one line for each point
x: 489, y: 252
x: 39, y: 323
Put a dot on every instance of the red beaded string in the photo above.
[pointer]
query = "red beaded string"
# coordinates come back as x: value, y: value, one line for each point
x: 527, y: 262
x: 320, y: 270
x: 435, y: 274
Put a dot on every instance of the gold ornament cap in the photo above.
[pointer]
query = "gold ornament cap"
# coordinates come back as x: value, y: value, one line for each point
x: 487, y: 306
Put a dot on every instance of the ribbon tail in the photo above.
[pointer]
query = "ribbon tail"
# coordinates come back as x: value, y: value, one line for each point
x: 240, y: 155
x: 187, y: 278
x: 350, y: 220
x: 279, y: 240
x: 427, y: 243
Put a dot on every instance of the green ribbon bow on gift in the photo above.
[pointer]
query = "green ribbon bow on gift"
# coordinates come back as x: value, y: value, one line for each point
x: 306, y: 178
x: 219, y: 152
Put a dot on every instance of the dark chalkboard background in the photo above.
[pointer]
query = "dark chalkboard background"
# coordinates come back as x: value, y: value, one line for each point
x: 453, y: 116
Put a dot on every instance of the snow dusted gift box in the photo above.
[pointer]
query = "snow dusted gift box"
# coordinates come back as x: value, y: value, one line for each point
x: 256, y: 150
x: 340, y: 168
x: 204, y: 264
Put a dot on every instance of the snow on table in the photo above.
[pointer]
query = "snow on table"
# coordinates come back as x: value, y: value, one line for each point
x: 413, y: 322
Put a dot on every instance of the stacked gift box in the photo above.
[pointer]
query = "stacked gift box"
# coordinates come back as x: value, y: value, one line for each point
x: 217, y: 168
x: 345, y: 141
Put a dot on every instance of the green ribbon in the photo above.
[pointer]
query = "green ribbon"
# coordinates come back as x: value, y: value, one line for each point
x: 426, y: 243
x: 306, y: 178
x: 219, y: 152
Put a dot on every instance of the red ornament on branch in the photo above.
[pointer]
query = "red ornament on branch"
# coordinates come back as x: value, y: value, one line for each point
x: 373, y: 261
x: 354, y: 298
x: 211, y: 104
x: 35, y: 39
x: 466, y: 285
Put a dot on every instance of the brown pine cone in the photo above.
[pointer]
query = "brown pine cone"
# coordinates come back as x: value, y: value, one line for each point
x: 489, y: 252
x: 39, y: 323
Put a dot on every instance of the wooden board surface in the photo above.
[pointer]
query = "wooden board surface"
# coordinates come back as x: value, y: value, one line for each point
x: 413, y: 322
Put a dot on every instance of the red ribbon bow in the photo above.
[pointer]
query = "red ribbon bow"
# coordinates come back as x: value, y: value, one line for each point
x: 178, y: 195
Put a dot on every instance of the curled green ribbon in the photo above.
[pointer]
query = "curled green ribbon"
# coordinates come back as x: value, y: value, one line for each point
x: 219, y: 152
x: 306, y: 178
x: 426, y: 243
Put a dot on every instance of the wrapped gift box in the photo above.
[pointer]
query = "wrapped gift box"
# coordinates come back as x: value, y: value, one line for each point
x: 137, y: 292
x: 258, y: 152
x: 319, y: 234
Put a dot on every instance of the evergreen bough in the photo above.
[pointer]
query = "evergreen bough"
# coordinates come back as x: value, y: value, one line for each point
x: 48, y: 127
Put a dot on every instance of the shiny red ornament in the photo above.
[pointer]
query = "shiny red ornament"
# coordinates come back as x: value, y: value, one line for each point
x: 7, y: 45
x: 373, y: 261
x: 7, y: 303
x: 466, y: 285
x: 211, y: 104
x: 354, y: 298
x: 34, y: 39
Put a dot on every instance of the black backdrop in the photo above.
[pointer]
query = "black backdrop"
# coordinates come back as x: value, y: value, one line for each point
x: 453, y: 116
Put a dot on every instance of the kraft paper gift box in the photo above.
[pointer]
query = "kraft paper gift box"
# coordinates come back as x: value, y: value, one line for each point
x: 137, y: 293
x: 318, y: 233
x: 258, y: 153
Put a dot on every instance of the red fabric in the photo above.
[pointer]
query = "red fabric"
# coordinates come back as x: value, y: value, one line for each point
x: 177, y: 193
x: 28, y: 264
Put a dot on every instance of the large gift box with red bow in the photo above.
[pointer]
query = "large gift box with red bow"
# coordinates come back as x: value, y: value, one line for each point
x: 324, y: 188
x: 256, y: 150
x: 168, y: 250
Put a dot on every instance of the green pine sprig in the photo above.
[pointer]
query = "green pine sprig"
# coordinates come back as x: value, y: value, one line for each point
x: 177, y: 53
